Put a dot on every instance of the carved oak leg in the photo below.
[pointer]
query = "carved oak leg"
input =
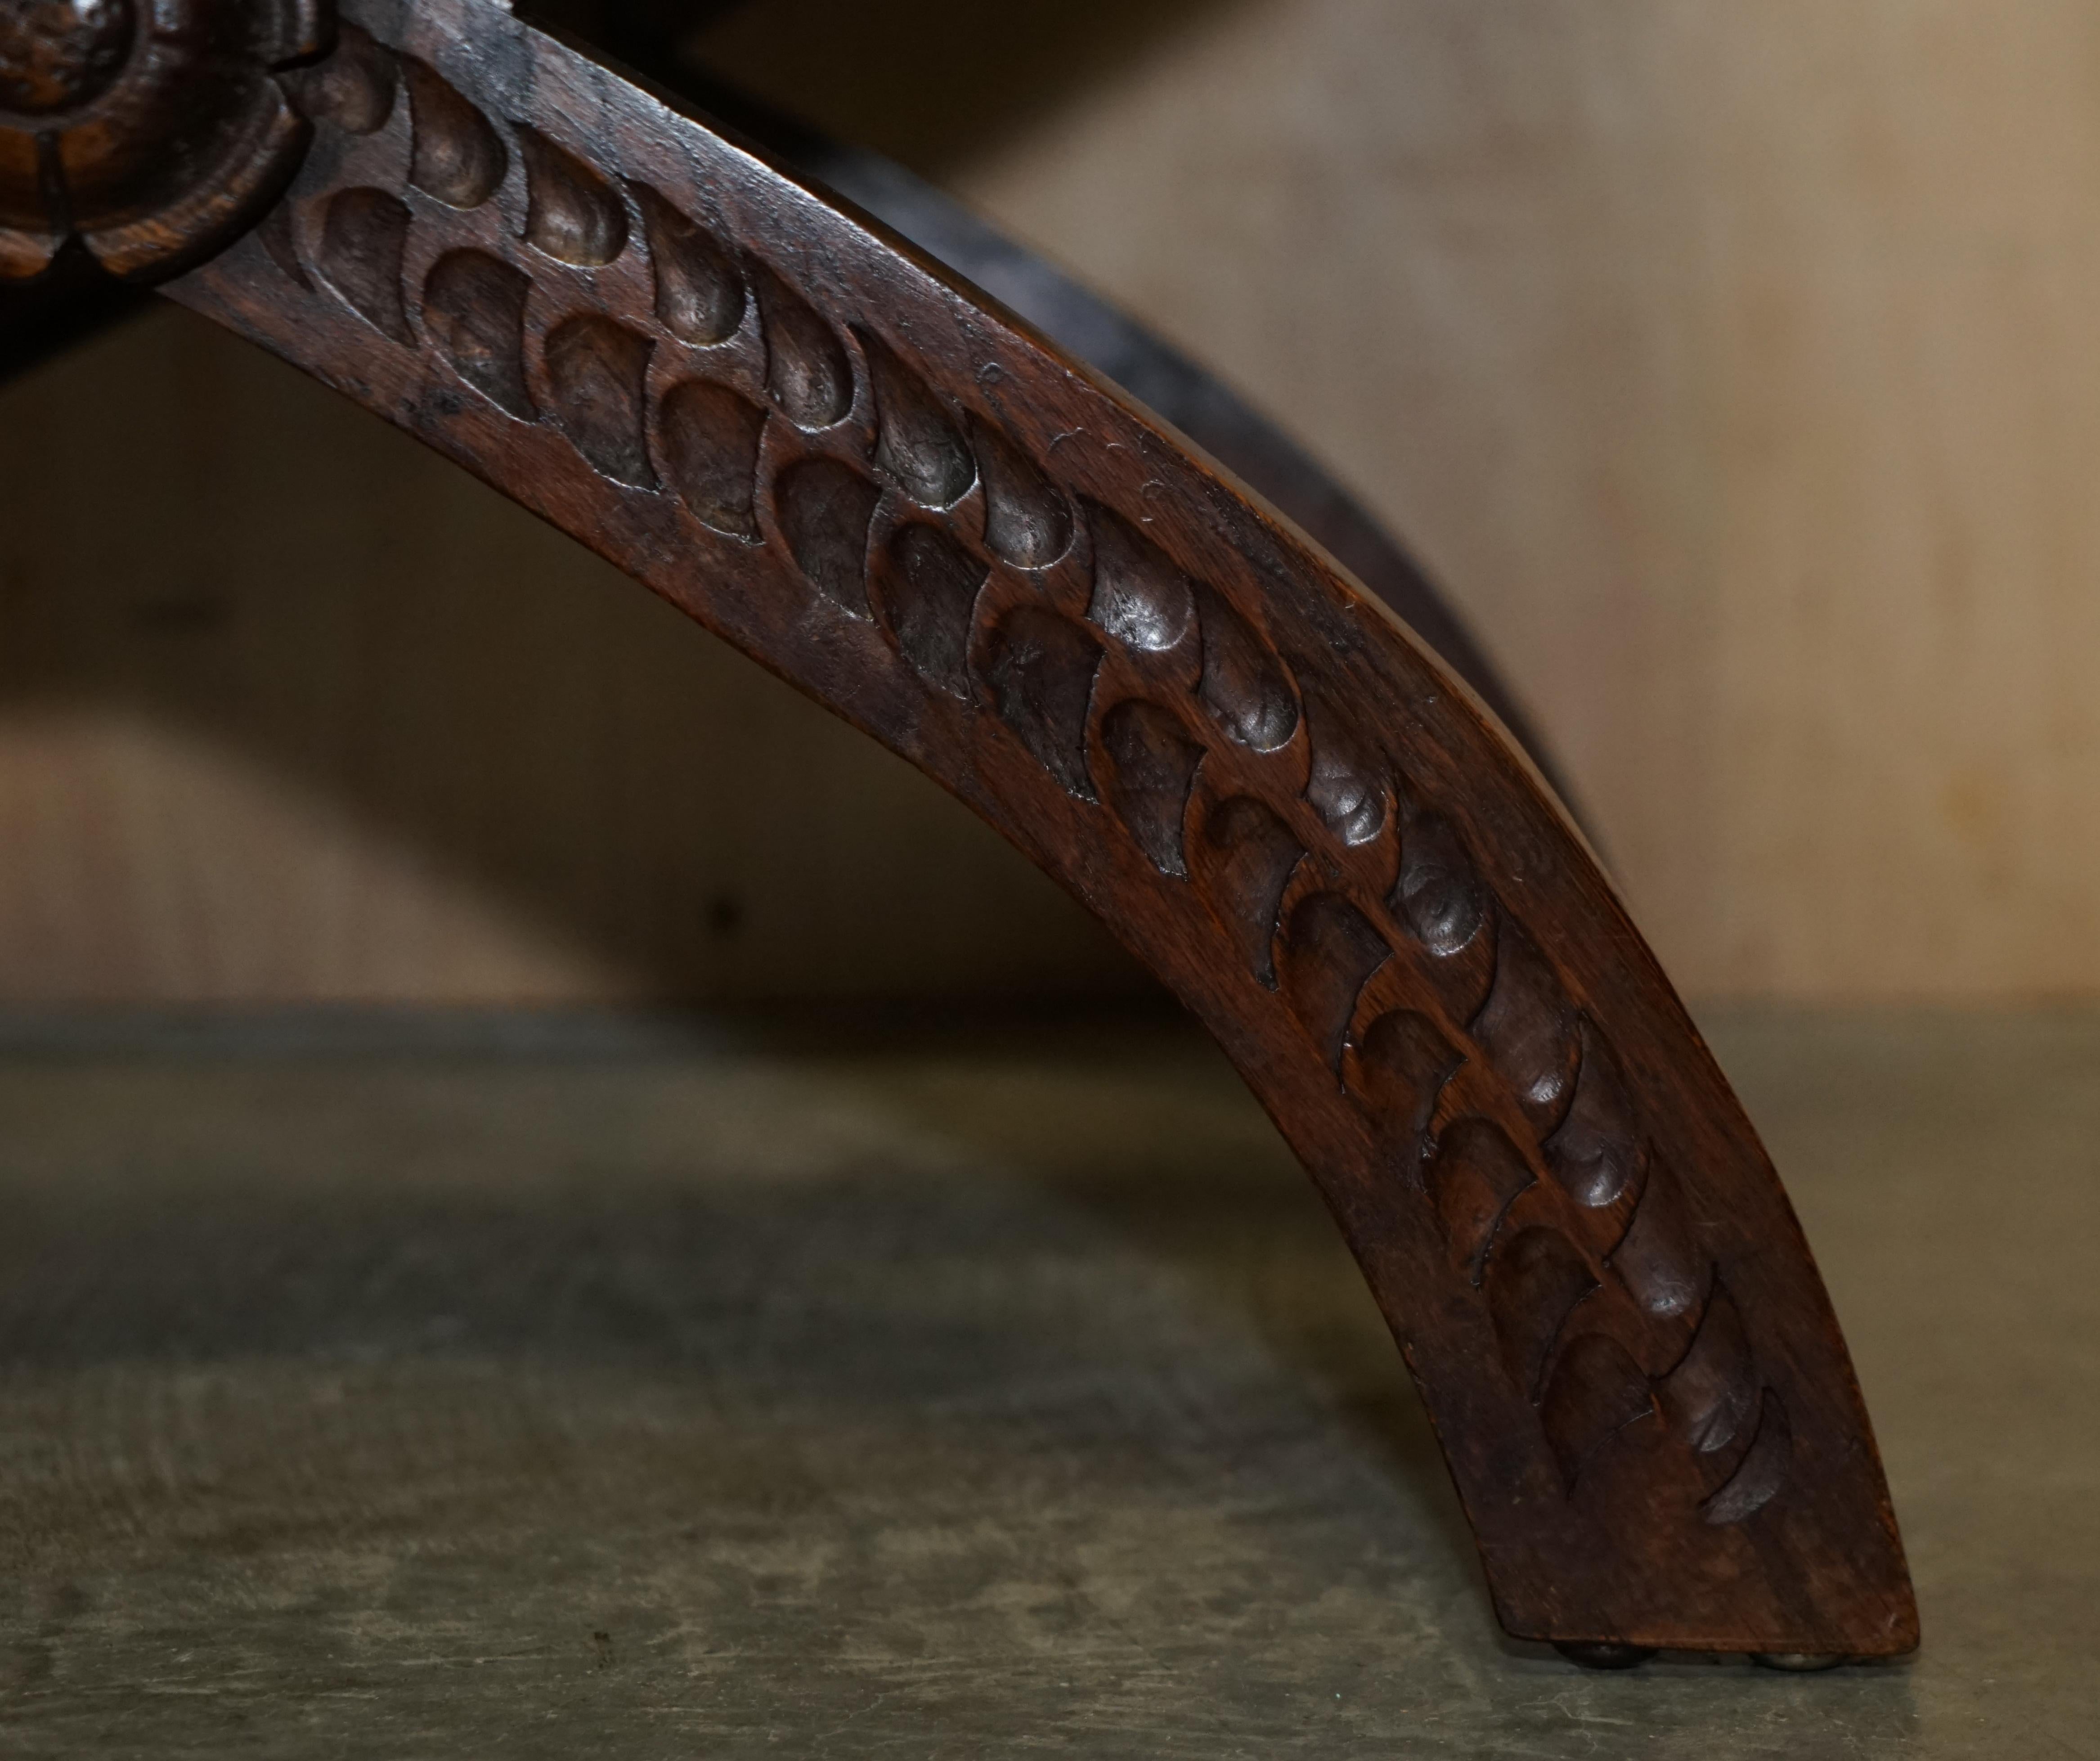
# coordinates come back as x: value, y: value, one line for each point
x: 897, y: 499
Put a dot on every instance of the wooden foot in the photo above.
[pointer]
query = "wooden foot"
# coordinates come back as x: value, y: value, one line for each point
x: 889, y: 492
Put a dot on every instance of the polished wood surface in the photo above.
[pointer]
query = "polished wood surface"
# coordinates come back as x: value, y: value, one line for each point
x: 863, y: 476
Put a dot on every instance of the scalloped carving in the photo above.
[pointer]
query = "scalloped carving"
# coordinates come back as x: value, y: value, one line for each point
x: 1042, y: 667
x: 1247, y: 854
x: 353, y: 89
x: 1655, y: 1261
x: 1439, y: 895
x: 1139, y: 597
x: 709, y: 436
x: 1527, y: 1028
x: 1475, y: 1174
x: 597, y: 369
x: 1712, y: 1395
x: 1331, y: 950
x: 1534, y: 1283
x: 1152, y: 765
x: 364, y: 236
x: 1597, y: 1153
x: 1397, y: 1074
x: 571, y: 213
x: 825, y: 509
x: 1596, y: 1392
x: 456, y: 154
x: 1345, y: 789
x: 1244, y: 685
x: 807, y: 373
x: 1028, y: 519
x: 928, y: 595
x: 474, y: 310
x: 699, y: 295
x: 1764, y: 1469
x: 916, y: 442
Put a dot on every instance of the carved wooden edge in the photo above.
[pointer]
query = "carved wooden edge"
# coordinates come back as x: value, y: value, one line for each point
x: 905, y: 504
x: 1202, y: 407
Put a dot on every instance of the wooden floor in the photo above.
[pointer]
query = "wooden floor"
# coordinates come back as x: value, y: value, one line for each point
x: 521, y: 1388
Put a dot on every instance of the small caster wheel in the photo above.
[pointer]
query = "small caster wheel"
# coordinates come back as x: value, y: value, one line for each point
x: 1605, y: 1656
x: 1796, y: 1662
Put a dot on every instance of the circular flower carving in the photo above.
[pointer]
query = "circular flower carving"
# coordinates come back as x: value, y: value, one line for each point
x: 57, y: 56
x: 151, y: 130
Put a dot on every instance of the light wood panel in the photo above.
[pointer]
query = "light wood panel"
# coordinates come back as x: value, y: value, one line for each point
x: 1734, y: 366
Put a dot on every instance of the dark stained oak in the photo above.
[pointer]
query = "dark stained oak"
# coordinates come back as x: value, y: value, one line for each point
x: 863, y: 475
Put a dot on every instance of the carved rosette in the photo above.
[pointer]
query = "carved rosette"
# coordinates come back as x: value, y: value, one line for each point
x: 152, y: 132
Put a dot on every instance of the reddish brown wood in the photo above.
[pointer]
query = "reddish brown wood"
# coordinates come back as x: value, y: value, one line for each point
x: 892, y: 495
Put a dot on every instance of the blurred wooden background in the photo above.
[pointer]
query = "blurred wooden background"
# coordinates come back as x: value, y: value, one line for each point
x: 1737, y: 368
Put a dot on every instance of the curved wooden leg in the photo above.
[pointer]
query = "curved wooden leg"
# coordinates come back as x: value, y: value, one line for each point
x: 901, y: 501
